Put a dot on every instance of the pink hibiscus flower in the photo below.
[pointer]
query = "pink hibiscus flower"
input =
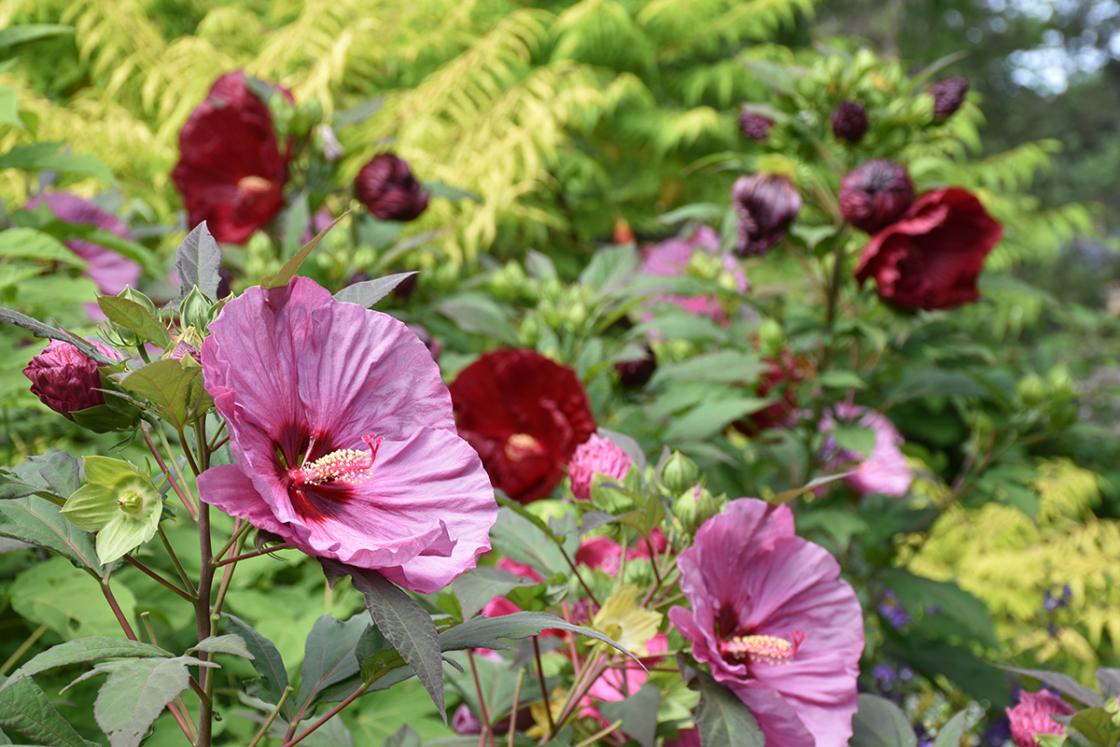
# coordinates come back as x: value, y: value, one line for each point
x: 774, y: 621
x: 596, y: 455
x: 670, y: 259
x: 885, y: 469
x: 1034, y: 715
x: 344, y: 437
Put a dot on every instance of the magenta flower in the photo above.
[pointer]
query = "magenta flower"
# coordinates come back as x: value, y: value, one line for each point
x: 343, y: 436
x: 109, y: 271
x: 885, y: 469
x: 596, y: 455
x: 671, y: 258
x: 1034, y: 715
x: 67, y: 380
x: 774, y: 621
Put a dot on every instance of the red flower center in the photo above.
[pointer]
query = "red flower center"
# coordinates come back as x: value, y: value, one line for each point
x: 320, y: 478
x: 762, y: 649
x: 253, y: 183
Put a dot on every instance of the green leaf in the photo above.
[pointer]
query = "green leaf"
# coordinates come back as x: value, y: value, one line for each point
x: 448, y: 192
x: 840, y: 380
x: 724, y: 366
x: 134, y: 695
x: 722, y: 719
x: 709, y: 418
x: 952, y: 732
x: 9, y: 111
x: 329, y: 656
x: 40, y: 329
x: 1062, y: 683
x: 224, y: 644
x: 55, y: 473
x: 971, y: 673
x: 266, y: 660
x: 404, y: 737
x: 369, y: 292
x: 1096, y: 725
x: 48, y: 157
x: 474, y: 312
x: 295, y: 220
x: 638, y: 714
x: 407, y: 626
x: 1109, y: 681
x: 610, y: 269
x: 879, y: 723
x: 945, y: 609
x: 854, y: 438
x: 499, y: 632
x: 40, y: 522
x: 174, y: 387
x: 135, y: 318
x: 25, y: 709
x: 197, y: 262
x: 27, y: 243
x: 520, y: 539
x: 82, y: 650
x: 14, y: 35
x: 68, y: 601
x: 138, y: 253
x: 291, y: 267
x: 475, y: 588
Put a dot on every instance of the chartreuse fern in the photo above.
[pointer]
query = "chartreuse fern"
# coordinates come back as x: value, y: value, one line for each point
x: 1010, y: 561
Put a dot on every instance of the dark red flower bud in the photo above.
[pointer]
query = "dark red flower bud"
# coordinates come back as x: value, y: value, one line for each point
x: 525, y: 415
x: 849, y: 121
x: 65, y: 379
x: 932, y: 257
x: 766, y: 205
x: 231, y: 170
x: 754, y: 125
x: 948, y: 95
x: 875, y: 195
x: 388, y: 189
x: 636, y: 373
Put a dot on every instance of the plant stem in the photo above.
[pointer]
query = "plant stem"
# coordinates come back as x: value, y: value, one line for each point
x: 202, y: 622
x: 516, y: 702
x: 544, y: 688
x: 178, y: 471
x: 254, y: 554
x: 238, y: 530
x: 187, y: 503
x: 186, y: 579
x: 586, y: 589
x: 111, y: 598
x: 187, y: 452
x: 223, y: 589
x: 594, y: 738
x: 159, y: 579
x: 22, y: 649
x: 271, y: 716
x: 334, y: 711
x: 482, y: 738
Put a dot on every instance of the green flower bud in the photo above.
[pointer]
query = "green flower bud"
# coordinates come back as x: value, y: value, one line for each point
x: 1061, y: 382
x: 679, y: 473
x: 194, y: 309
x: 771, y: 338
x: 130, y: 501
x: 1031, y: 390
x: 695, y: 506
x: 136, y: 296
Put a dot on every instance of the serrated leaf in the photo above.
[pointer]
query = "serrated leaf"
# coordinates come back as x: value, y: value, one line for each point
x: 174, y: 387
x: 722, y: 719
x: 1063, y: 683
x: 709, y: 418
x: 946, y: 609
x: 610, y: 269
x: 67, y: 600
x: 266, y: 660
x: 81, y: 650
x: 404, y: 737
x: 328, y: 656
x: 952, y: 732
x: 1096, y: 725
x: 724, y: 366
x: 224, y: 644
x: 25, y: 709
x: 474, y: 312
x: 879, y: 723
x: 407, y: 626
x: 500, y: 632
x: 27, y: 243
x: 1109, y: 681
x: 55, y: 473
x: 369, y: 292
x: 29, y: 32
x: 291, y: 267
x: 134, y: 695
x: 638, y: 714
x: 475, y: 588
x: 135, y: 318
x: 197, y: 262
x: 41, y: 329
x: 40, y: 522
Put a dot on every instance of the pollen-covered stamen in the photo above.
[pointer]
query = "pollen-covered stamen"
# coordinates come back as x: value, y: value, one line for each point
x: 763, y: 649
x: 344, y: 465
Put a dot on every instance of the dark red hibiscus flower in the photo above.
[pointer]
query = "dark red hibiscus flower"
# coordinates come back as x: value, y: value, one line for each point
x: 231, y: 170
x: 524, y: 414
x: 931, y: 258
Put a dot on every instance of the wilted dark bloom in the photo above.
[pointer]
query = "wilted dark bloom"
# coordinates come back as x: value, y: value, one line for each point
x: 636, y: 372
x: 766, y: 205
x: 754, y: 125
x: 525, y: 415
x: 875, y: 195
x: 65, y: 379
x: 782, y: 377
x: 388, y: 189
x: 849, y: 121
x: 948, y: 95
x: 932, y: 257
x: 231, y: 170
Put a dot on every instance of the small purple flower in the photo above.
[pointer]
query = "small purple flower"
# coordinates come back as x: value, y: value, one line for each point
x: 464, y: 721
x: 875, y: 194
x: 885, y: 676
x: 849, y: 121
x: 388, y: 189
x: 754, y: 125
x: 892, y: 610
x: 948, y: 95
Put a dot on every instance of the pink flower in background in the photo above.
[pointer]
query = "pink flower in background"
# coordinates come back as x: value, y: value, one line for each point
x: 604, y: 554
x: 670, y: 259
x: 596, y: 455
x: 615, y: 685
x: 1034, y: 715
x: 885, y: 469
x: 689, y: 737
x: 774, y: 621
x: 343, y: 436
x: 108, y: 270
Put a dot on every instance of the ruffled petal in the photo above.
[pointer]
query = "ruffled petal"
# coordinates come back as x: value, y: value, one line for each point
x: 227, y: 488
x: 779, y: 721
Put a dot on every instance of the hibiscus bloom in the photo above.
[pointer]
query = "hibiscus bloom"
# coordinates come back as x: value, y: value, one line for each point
x: 774, y: 621
x: 671, y: 259
x: 525, y: 415
x: 109, y: 271
x: 884, y: 470
x: 231, y: 170
x: 343, y: 436
x: 932, y: 257
x: 1034, y: 715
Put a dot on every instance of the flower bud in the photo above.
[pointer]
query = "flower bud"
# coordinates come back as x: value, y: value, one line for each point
x: 766, y: 205
x: 636, y: 373
x: 1031, y: 390
x: 65, y: 379
x: 136, y: 296
x: 849, y: 121
x: 679, y: 473
x: 194, y: 310
x: 754, y: 125
x: 875, y: 195
x: 695, y: 506
x: 948, y: 95
x: 388, y: 189
x: 771, y: 338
